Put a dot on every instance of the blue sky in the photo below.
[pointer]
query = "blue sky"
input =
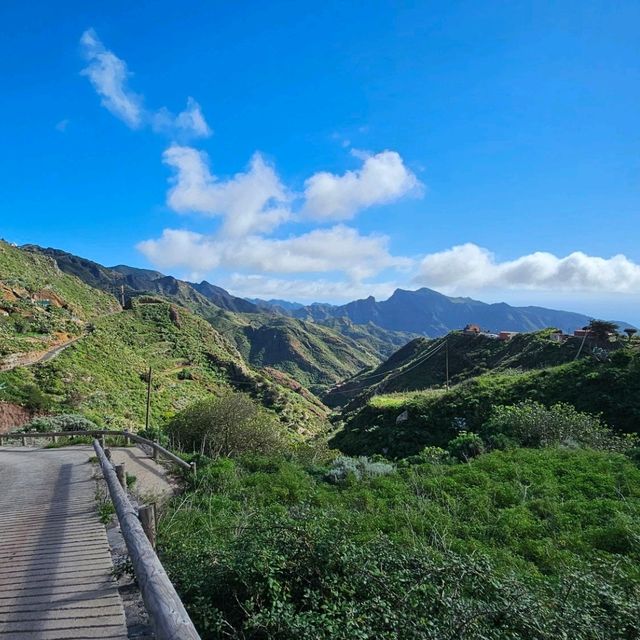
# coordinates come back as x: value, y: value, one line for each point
x: 328, y: 151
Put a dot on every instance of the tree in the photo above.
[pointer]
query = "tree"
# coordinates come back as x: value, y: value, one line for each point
x: 227, y: 425
x: 630, y: 331
x: 601, y: 329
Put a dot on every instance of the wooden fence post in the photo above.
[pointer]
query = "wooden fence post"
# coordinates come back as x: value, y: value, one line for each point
x: 122, y: 476
x: 166, y: 612
x: 127, y: 439
x: 24, y: 441
x: 194, y: 468
x: 1, y: 441
x: 147, y: 515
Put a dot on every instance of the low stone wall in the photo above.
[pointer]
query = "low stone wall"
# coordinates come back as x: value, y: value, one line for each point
x: 12, y: 416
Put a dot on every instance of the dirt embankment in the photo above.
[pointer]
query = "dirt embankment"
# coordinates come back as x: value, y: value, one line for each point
x: 12, y: 416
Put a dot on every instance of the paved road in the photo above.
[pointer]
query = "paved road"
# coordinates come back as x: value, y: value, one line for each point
x: 36, y: 357
x: 55, y: 564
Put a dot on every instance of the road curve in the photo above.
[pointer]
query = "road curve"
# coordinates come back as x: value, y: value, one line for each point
x: 34, y: 357
x: 55, y: 563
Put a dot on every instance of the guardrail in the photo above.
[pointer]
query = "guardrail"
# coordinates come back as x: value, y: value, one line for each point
x: 169, y: 618
x: 101, y: 433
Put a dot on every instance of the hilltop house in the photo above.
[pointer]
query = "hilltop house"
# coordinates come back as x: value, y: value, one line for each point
x: 472, y: 330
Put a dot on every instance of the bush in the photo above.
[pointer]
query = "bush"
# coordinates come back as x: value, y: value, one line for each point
x: 344, y: 467
x: 185, y: 374
x: 34, y: 399
x: 531, y: 424
x: 228, y: 425
x: 155, y: 434
x: 64, y: 422
x: 466, y: 446
x: 429, y: 455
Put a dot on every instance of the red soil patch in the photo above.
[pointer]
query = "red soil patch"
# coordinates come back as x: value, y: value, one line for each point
x: 12, y: 416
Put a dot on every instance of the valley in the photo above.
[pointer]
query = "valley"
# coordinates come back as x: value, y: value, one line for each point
x: 470, y: 460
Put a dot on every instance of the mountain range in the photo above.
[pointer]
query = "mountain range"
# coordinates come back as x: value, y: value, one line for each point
x: 318, y: 345
x: 429, y: 313
x: 421, y: 312
x: 105, y: 325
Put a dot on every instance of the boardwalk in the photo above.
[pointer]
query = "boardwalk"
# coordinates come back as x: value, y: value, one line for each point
x: 55, y: 564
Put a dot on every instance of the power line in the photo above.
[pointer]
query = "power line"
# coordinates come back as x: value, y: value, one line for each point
x: 390, y: 375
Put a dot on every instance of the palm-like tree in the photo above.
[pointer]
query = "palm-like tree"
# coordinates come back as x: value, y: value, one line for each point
x: 601, y: 329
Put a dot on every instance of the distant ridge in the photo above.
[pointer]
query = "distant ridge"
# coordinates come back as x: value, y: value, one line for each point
x: 433, y: 314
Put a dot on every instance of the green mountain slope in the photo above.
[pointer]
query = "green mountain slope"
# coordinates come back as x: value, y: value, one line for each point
x: 371, y: 337
x: 314, y: 354
x: 422, y: 363
x: 40, y: 306
x: 103, y: 374
x: 433, y: 417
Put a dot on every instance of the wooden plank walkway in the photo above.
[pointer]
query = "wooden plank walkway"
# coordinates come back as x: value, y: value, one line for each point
x: 55, y: 563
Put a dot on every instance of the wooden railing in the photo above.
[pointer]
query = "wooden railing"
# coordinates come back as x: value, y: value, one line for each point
x: 128, y: 437
x: 169, y: 618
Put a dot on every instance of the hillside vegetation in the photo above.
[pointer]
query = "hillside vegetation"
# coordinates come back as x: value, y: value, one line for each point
x: 104, y: 375
x: 433, y: 417
x: 314, y: 355
x: 537, y: 544
x: 40, y: 306
x: 504, y: 508
x: 422, y: 363
x: 317, y: 355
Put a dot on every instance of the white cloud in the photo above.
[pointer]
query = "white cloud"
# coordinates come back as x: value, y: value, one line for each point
x: 338, y: 249
x: 188, y: 123
x: 259, y: 286
x: 178, y: 248
x: 383, y: 178
x: 108, y: 75
x: 470, y: 267
x: 251, y: 202
x: 62, y: 125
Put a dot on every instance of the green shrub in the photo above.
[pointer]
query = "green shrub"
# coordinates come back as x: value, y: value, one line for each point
x: 64, y: 422
x: 34, y: 399
x: 227, y: 425
x: 344, y: 467
x: 466, y: 446
x: 430, y: 455
x: 155, y: 434
x: 185, y: 374
x: 531, y: 424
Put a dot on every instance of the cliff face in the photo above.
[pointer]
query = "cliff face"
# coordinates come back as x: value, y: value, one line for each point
x: 12, y: 416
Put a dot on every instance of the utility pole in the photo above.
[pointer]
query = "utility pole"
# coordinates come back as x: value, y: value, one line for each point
x: 446, y: 360
x: 146, y: 420
x: 584, y: 337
